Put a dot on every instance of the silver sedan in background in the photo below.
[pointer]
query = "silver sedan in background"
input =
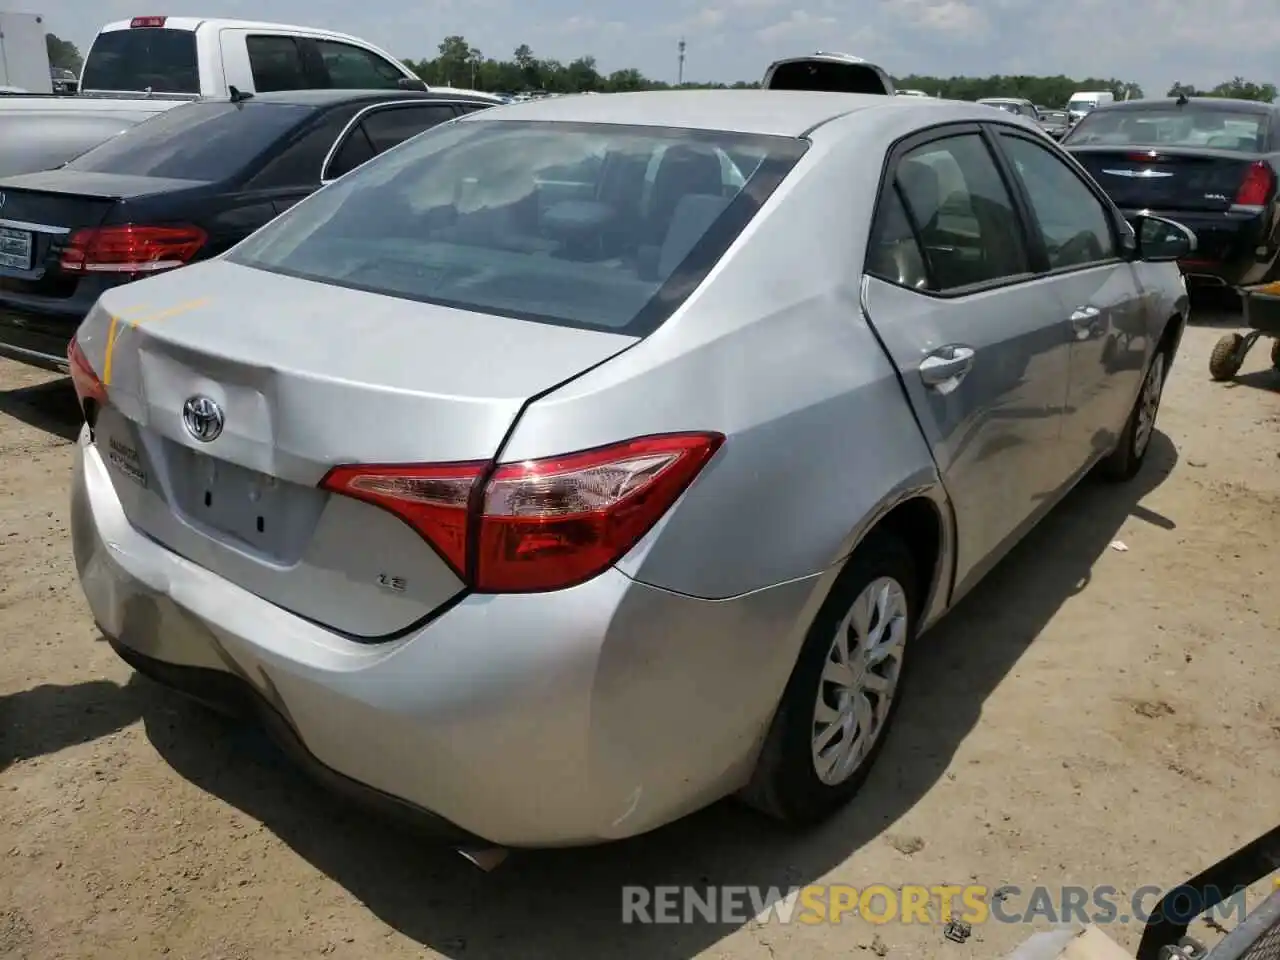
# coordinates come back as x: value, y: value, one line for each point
x: 583, y: 461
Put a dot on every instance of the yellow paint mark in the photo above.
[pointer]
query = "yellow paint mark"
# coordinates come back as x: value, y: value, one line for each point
x: 113, y: 331
x: 111, y: 342
x: 160, y: 315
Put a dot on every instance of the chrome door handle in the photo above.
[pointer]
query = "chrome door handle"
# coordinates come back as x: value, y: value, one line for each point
x: 945, y: 365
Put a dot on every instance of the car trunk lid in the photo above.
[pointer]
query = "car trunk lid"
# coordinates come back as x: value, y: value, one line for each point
x: 1167, y: 178
x: 307, y: 376
x: 42, y: 210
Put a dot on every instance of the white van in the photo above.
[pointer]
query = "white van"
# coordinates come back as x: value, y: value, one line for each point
x: 1083, y: 101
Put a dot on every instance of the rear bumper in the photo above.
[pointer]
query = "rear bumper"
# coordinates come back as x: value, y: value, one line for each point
x: 526, y: 721
x: 38, y: 337
x: 1231, y: 249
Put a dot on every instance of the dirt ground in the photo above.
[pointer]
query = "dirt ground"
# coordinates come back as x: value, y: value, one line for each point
x: 1092, y: 715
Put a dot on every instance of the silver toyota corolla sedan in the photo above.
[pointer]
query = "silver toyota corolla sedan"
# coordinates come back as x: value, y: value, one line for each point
x: 583, y: 461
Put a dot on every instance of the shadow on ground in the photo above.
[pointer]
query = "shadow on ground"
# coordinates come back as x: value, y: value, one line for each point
x: 537, y: 902
x: 47, y: 406
x: 1215, y: 307
x: 52, y: 717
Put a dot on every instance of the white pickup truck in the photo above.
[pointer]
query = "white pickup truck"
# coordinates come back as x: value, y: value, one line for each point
x: 188, y: 57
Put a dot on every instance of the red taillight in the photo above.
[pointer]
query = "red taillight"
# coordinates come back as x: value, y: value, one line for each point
x: 1143, y: 156
x: 1255, y: 190
x: 131, y: 248
x: 147, y: 22
x: 88, y: 385
x: 536, y: 525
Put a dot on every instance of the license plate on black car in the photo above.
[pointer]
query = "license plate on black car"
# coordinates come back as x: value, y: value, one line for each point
x: 15, y: 248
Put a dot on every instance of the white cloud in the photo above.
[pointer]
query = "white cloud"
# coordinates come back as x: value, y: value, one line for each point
x: 945, y: 16
x: 799, y: 26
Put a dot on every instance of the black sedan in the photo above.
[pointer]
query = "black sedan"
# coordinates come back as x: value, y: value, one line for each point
x: 183, y: 186
x: 1212, y: 164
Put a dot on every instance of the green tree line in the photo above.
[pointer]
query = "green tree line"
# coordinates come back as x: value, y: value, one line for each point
x: 63, y: 53
x: 457, y: 63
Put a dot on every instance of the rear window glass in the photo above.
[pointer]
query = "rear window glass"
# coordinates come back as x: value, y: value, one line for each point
x: 1174, y: 127
x: 826, y: 75
x: 209, y: 141
x: 598, y: 226
x: 163, y: 61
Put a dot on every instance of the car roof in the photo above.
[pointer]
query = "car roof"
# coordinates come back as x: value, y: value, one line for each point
x: 784, y: 113
x: 222, y: 23
x: 329, y: 97
x: 1221, y: 104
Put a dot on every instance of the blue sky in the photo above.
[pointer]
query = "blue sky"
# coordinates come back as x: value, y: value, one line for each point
x: 1153, y: 42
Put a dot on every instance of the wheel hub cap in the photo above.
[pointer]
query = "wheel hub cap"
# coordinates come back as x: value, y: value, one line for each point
x: 859, y: 680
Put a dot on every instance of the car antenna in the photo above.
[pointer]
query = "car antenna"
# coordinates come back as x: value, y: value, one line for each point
x: 238, y: 95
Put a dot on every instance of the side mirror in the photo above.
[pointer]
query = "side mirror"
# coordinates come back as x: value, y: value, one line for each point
x: 411, y: 83
x: 1158, y: 240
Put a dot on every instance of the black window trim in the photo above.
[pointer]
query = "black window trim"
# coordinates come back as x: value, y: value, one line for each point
x: 1035, y: 238
x: 325, y: 179
x: 888, y: 179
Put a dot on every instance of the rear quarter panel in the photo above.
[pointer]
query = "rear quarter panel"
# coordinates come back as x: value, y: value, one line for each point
x: 773, y: 352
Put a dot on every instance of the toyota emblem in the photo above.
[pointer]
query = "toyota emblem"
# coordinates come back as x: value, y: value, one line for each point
x: 203, y: 418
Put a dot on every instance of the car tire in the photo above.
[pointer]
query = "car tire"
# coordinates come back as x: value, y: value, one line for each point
x: 879, y: 579
x: 1225, y: 360
x: 1127, y: 458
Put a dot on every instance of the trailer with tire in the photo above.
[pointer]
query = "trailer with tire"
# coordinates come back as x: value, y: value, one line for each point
x: 1261, y: 305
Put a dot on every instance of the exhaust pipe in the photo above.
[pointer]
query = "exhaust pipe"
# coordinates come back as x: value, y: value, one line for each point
x: 486, y: 858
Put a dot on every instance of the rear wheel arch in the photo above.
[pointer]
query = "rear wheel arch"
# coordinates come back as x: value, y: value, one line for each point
x: 914, y: 526
x: 1170, y: 337
x: 917, y: 523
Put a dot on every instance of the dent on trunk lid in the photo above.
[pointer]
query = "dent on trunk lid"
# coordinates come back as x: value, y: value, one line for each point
x: 307, y: 376
x: 325, y: 375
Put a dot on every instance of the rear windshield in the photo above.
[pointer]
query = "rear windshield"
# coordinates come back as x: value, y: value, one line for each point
x: 826, y: 75
x: 1173, y: 127
x: 585, y: 225
x: 163, y: 61
x: 211, y: 141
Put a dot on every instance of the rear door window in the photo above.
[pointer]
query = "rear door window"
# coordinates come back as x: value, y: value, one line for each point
x: 300, y: 162
x: 354, y: 150
x: 210, y: 141
x: 353, y: 68
x: 275, y: 63
x: 391, y: 126
x: 962, y: 212
x: 143, y: 58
